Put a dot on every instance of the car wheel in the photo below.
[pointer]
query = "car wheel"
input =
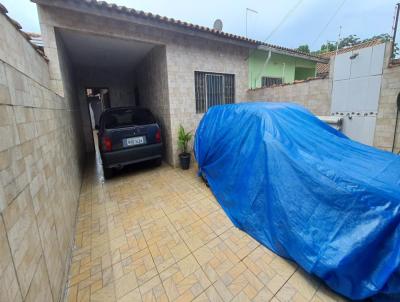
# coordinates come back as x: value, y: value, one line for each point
x: 158, y: 162
x: 108, y: 172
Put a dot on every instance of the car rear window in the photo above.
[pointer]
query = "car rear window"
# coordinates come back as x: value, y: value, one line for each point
x: 127, y: 117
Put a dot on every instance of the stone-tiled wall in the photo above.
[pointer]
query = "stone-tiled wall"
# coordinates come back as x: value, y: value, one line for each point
x: 387, y: 109
x: 315, y: 95
x: 151, y: 79
x: 184, y: 55
x: 40, y: 174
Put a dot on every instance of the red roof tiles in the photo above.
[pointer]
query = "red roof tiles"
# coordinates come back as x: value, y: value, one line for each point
x: 138, y: 13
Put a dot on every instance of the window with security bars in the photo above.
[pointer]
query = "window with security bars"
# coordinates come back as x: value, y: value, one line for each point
x: 213, y: 89
x: 269, y: 81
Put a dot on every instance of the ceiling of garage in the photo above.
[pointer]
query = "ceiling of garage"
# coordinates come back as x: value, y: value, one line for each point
x: 101, y: 51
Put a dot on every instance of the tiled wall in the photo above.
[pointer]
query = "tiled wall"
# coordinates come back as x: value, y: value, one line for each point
x: 121, y: 89
x: 187, y: 55
x: 184, y: 55
x: 315, y: 95
x: 40, y: 172
x: 386, y: 118
x: 151, y: 78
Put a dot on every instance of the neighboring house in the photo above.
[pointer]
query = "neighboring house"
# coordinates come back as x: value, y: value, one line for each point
x: 281, y: 66
x: 360, y: 86
x: 176, y: 69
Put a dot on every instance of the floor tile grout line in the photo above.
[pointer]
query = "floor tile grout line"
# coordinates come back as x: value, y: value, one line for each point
x: 152, y: 258
x: 121, y: 208
x: 285, y: 282
x: 190, y: 254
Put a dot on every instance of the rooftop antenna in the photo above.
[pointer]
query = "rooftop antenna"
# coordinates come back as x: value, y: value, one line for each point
x: 218, y: 25
x: 247, y: 12
x: 338, y: 41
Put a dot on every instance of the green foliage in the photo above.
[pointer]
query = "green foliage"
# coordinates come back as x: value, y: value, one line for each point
x: 327, y: 47
x: 352, y: 40
x: 386, y: 38
x: 183, y: 138
x: 304, y: 48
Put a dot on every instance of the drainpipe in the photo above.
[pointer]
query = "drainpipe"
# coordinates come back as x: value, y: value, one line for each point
x: 264, y: 65
x: 283, y: 72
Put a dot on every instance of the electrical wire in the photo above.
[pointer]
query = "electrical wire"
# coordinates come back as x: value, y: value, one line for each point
x: 329, y: 22
x: 283, y: 20
x: 278, y: 26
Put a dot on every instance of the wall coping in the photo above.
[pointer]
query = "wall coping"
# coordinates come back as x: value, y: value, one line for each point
x: 18, y: 27
x: 290, y: 84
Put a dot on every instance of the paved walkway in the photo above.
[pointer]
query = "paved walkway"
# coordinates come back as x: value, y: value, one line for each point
x: 158, y: 234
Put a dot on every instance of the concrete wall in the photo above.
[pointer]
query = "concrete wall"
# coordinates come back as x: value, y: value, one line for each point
x: 278, y: 66
x: 40, y: 172
x: 386, y: 118
x: 151, y: 79
x: 184, y: 55
x: 315, y: 95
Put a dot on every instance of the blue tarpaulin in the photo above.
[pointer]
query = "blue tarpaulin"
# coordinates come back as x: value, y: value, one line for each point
x: 307, y: 192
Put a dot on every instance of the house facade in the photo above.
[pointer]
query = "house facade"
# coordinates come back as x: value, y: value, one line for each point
x: 280, y: 67
x: 166, y: 65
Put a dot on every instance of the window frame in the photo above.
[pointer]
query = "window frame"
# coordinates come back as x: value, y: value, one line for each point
x: 264, y: 78
x: 202, y: 101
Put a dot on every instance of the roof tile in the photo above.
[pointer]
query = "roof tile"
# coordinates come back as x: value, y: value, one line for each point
x: 112, y: 7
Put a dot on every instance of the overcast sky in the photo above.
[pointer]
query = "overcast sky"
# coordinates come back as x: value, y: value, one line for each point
x: 304, y: 24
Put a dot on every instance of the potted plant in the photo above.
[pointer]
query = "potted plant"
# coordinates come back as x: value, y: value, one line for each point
x: 183, y: 140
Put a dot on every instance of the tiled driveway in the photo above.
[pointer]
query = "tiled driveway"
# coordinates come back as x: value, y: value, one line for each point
x: 159, y: 235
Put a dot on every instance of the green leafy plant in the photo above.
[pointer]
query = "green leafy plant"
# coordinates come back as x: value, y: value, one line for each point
x: 184, y: 138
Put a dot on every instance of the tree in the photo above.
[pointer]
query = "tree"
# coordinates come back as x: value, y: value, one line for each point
x: 385, y: 38
x: 303, y: 48
x: 327, y: 47
x: 350, y: 40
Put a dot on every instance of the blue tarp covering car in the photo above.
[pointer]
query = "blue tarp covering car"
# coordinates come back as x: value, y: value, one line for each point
x: 307, y: 192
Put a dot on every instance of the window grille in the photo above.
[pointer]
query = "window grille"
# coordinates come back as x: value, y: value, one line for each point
x: 213, y: 89
x: 269, y: 81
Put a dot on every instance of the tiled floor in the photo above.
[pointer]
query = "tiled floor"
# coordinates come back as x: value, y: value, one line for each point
x: 158, y: 234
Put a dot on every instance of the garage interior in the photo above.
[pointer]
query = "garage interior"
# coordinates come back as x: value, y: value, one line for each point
x: 113, y: 72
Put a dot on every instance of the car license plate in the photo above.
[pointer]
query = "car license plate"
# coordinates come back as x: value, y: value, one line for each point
x: 133, y: 141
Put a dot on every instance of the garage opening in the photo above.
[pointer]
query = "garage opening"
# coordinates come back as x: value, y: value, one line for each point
x: 113, y: 72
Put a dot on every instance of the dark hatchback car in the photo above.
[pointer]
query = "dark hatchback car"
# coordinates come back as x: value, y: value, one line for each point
x: 128, y: 135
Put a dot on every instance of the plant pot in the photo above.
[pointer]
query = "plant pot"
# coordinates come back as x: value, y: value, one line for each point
x: 184, y: 159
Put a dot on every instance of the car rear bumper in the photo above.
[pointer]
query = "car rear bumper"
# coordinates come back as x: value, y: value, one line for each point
x: 125, y: 157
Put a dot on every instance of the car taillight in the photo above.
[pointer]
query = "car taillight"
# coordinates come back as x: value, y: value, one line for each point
x: 107, y: 144
x: 158, y: 136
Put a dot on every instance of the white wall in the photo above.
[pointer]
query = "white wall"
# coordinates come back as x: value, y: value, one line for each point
x: 357, y: 78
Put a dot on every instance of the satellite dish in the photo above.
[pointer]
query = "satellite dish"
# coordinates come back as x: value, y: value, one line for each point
x: 218, y: 25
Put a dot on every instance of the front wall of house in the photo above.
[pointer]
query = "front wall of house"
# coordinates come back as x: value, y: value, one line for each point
x: 188, y: 55
x: 40, y: 172
x: 184, y: 54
